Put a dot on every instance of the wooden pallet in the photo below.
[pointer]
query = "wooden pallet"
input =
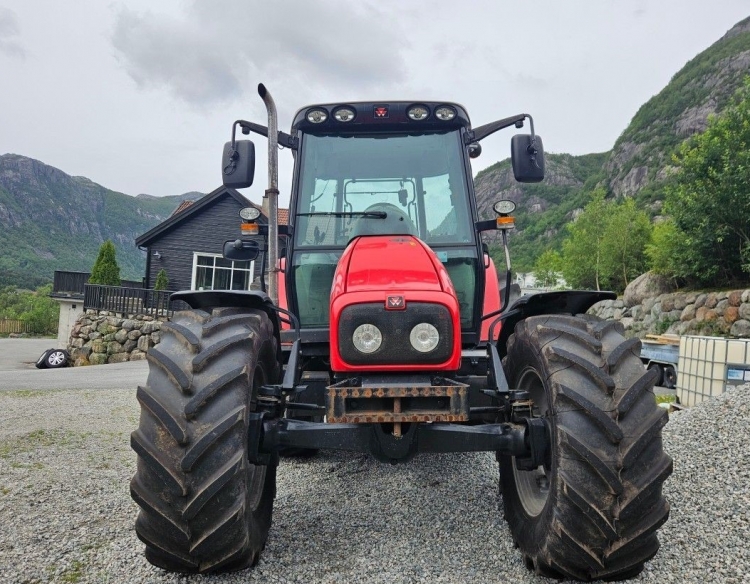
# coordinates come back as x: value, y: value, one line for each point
x: 664, y: 339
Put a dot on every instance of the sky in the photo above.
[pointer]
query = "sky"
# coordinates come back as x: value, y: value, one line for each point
x: 140, y: 96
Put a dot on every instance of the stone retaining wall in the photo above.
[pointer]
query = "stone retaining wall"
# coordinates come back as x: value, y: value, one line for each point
x: 710, y: 314
x: 100, y: 337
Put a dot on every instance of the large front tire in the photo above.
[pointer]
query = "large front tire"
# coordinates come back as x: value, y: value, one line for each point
x: 592, y: 511
x: 204, y: 506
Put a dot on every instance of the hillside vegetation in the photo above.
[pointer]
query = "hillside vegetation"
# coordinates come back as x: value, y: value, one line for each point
x: 52, y: 221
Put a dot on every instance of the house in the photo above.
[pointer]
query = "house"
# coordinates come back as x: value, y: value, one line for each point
x: 188, y: 245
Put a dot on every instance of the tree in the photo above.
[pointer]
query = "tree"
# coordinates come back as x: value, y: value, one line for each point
x: 583, y: 263
x: 627, y: 233
x: 162, y: 282
x: 709, y: 199
x: 547, y: 269
x: 106, y: 271
x: 665, y: 245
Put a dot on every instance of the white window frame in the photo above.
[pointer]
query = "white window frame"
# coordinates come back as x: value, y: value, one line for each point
x: 217, y: 255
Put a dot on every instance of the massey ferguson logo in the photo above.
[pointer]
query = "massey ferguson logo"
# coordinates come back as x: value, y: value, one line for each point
x: 395, y: 303
x: 381, y: 111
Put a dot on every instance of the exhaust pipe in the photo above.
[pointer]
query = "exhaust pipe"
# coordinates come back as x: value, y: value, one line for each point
x: 272, y: 192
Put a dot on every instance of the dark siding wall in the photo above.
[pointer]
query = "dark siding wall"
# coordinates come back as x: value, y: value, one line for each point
x: 206, y: 231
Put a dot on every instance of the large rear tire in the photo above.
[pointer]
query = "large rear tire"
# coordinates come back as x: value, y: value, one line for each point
x: 592, y: 511
x: 204, y: 506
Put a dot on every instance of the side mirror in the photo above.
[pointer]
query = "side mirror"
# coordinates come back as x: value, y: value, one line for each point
x: 238, y: 164
x: 527, y: 158
x: 241, y: 250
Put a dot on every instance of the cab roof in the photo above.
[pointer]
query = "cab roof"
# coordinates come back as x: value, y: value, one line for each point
x: 375, y: 116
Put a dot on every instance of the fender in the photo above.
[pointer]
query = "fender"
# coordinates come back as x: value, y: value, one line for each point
x: 564, y: 302
x: 208, y: 299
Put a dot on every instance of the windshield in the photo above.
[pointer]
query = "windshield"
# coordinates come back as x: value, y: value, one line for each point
x: 371, y: 184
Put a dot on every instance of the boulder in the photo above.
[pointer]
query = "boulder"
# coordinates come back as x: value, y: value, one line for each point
x: 114, y: 347
x: 731, y: 314
x: 137, y: 356
x: 121, y: 336
x: 735, y: 298
x: 118, y: 358
x: 144, y: 343
x: 98, y: 358
x: 134, y: 334
x: 688, y: 313
x: 741, y: 328
x: 645, y: 286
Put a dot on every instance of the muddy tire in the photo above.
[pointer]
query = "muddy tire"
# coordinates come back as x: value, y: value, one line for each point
x: 592, y: 511
x: 204, y: 506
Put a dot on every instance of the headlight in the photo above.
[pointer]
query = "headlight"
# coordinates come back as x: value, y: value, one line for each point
x: 418, y: 113
x: 317, y: 116
x: 424, y: 337
x: 367, y: 338
x: 445, y: 113
x: 344, y: 114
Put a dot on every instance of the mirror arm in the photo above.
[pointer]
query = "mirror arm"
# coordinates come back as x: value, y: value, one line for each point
x: 284, y: 139
x: 483, y: 131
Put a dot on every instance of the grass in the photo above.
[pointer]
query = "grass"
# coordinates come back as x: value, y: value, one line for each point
x: 40, y: 439
x: 74, y: 573
x: 666, y: 398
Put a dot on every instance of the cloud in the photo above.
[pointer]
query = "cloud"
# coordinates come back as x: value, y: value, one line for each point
x: 218, y: 50
x: 8, y: 30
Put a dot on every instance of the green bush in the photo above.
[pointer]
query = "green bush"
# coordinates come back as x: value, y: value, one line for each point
x: 162, y: 282
x: 106, y: 272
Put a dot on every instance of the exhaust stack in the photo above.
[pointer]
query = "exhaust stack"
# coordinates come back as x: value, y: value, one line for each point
x: 272, y: 194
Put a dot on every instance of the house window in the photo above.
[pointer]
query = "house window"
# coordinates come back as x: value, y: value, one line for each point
x: 213, y: 272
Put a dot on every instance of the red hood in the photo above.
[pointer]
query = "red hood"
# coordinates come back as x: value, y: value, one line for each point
x: 390, y: 262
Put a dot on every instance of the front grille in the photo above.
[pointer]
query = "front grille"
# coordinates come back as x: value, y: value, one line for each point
x: 395, y: 326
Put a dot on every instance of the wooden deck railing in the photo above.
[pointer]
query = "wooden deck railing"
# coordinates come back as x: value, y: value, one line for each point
x: 72, y: 283
x: 128, y: 300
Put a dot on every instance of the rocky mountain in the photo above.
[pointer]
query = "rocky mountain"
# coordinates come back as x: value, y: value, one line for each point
x: 639, y: 163
x: 50, y: 220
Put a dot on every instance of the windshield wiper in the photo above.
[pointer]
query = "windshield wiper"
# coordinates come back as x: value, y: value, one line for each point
x: 373, y: 214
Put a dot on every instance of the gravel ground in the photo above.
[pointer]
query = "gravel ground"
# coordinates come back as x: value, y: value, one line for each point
x: 66, y: 514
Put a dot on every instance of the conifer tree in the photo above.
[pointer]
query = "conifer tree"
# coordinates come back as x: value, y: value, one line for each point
x: 106, y: 272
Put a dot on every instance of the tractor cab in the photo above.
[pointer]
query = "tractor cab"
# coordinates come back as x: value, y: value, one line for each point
x: 388, y: 168
x: 357, y: 180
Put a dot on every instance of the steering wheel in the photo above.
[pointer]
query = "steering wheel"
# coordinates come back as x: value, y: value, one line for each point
x: 396, y: 222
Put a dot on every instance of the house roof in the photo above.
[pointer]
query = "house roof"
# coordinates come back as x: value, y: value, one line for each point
x: 181, y: 214
x: 181, y: 207
x: 282, y: 216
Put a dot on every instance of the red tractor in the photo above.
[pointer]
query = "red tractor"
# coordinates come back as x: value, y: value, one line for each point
x: 384, y: 331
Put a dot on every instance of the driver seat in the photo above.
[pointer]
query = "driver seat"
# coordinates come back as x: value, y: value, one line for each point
x: 396, y: 222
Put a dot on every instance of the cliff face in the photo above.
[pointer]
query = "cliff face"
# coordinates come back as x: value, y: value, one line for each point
x: 703, y: 87
x: 50, y: 220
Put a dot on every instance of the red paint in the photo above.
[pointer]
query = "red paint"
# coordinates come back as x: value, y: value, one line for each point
x: 281, y: 289
x: 375, y: 267
x: 491, y: 298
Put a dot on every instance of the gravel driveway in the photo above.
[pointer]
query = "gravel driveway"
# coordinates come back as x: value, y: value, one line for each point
x: 66, y: 514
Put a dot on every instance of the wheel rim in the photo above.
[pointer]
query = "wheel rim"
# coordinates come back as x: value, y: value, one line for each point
x: 56, y: 358
x: 533, y: 485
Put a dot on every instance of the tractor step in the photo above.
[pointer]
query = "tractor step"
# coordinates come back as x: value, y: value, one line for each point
x: 383, y: 399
